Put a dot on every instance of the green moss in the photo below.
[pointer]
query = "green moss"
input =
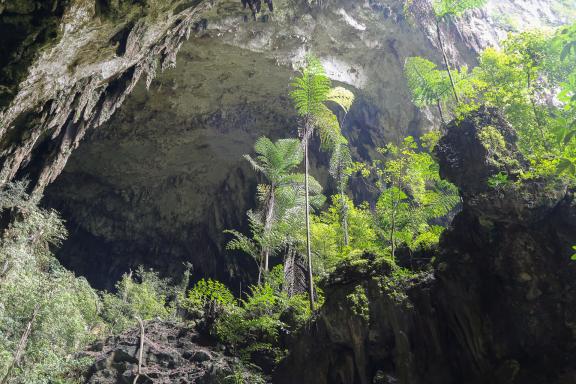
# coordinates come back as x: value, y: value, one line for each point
x: 492, y: 139
x: 359, y: 302
x: 497, y: 154
x: 396, y: 284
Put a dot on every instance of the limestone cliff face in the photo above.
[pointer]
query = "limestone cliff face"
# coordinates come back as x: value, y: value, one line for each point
x: 87, y: 58
x: 159, y: 182
x: 498, y: 306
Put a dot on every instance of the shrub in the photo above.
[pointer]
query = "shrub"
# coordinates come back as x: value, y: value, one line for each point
x: 145, y: 297
x: 37, y: 292
x: 256, y: 325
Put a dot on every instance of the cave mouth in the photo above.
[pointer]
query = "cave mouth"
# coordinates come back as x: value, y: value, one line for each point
x: 157, y: 185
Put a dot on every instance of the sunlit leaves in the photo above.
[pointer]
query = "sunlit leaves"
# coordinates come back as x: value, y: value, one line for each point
x: 341, y: 96
x: 446, y: 8
x: 311, y: 88
x: 412, y: 195
x: 427, y: 84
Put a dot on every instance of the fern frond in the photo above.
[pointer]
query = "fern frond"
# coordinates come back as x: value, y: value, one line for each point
x: 291, y: 153
x: 341, y: 96
x: 257, y: 167
x: 311, y: 88
x: 427, y: 84
x: 328, y: 128
x: 341, y: 160
x: 241, y: 242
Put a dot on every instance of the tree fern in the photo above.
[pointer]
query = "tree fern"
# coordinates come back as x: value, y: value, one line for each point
x: 276, y: 161
x: 311, y: 90
x: 340, y: 162
x: 427, y: 84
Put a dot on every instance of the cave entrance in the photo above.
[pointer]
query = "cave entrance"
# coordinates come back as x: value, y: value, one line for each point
x: 158, y: 183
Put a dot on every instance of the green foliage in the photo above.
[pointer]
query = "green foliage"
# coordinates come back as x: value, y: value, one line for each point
x: 62, y: 310
x: 532, y: 79
x: 277, y: 223
x: 516, y: 79
x: 276, y: 160
x: 447, y: 8
x: 311, y: 91
x: 311, y: 88
x: 412, y: 195
x: 208, y: 293
x: 359, y: 303
x: 255, y: 324
x: 499, y: 181
x: 145, y: 296
x: 412, y: 202
x: 428, y: 85
x: 327, y: 234
x: 241, y: 375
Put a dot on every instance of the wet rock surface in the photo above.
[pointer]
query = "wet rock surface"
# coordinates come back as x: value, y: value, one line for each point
x: 498, y: 306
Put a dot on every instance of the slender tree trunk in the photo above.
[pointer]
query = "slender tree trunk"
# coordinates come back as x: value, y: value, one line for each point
x: 307, y: 203
x: 440, y: 111
x: 21, y: 345
x: 539, y: 123
x: 260, y: 271
x: 344, y: 214
x: 393, y: 232
x: 268, y: 226
x: 141, y: 351
x: 446, y: 63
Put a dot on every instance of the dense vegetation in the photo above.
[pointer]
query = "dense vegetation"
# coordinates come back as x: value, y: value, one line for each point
x: 532, y: 80
x: 297, y: 236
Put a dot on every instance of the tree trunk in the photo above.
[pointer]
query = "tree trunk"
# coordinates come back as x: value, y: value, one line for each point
x: 344, y: 214
x: 393, y: 233
x: 306, y: 202
x: 260, y: 271
x: 440, y: 111
x: 141, y: 351
x: 22, y: 344
x: 539, y: 123
x: 446, y: 63
x: 268, y: 226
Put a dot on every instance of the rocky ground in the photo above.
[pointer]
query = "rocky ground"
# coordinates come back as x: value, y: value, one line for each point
x: 172, y: 353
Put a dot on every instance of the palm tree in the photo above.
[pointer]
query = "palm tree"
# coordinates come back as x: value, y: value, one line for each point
x: 444, y: 10
x: 312, y: 89
x: 275, y: 161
